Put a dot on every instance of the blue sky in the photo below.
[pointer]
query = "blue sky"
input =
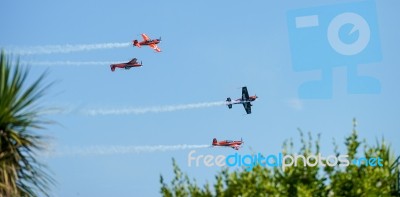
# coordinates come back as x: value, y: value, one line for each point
x: 210, y: 50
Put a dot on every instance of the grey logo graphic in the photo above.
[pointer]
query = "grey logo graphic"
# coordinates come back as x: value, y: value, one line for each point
x: 322, y: 38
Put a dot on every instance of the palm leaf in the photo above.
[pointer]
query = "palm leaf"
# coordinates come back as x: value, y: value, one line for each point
x: 21, y: 174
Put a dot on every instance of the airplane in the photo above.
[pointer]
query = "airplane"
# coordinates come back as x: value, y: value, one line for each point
x: 228, y: 143
x: 245, y: 100
x: 128, y: 65
x: 147, y: 41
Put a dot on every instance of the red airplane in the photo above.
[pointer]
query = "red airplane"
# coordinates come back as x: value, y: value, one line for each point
x: 128, y: 65
x: 228, y: 143
x: 245, y: 100
x: 147, y: 41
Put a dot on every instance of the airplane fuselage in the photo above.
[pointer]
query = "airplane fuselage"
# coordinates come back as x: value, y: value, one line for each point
x: 241, y: 101
x: 228, y: 143
x: 155, y: 41
x: 146, y: 42
x: 124, y: 65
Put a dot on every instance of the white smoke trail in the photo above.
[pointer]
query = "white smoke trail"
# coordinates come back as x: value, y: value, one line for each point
x: 118, y: 150
x: 157, y: 109
x: 68, y: 48
x: 71, y: 63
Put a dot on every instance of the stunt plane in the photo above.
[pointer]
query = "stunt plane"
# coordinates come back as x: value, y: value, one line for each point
x: 245, y: 100
x: 147, y: 41
x: 128, y: 65
x: 228, y: 143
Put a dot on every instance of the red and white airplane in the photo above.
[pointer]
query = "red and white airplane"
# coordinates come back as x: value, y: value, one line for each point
x: 152, y: 43
x: 228, y: 143
x: 128, y: 65
x: 245, y: 100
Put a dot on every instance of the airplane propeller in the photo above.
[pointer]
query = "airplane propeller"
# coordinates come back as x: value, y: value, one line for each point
x: 257, y: 97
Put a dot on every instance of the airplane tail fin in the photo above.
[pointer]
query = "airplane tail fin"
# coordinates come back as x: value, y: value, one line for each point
x: 228, y: 102
x: 136, y: 43
x: 215, y: 141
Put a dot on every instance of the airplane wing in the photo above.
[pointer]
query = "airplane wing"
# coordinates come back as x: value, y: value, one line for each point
x: 247, y: 107
x: 133, y: 61
x: 236, y: 147
x: 145, y: 37
x: 155, y: 47
x: 245, y: 94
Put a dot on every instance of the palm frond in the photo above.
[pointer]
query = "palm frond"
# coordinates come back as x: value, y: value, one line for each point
x: 21, y: 174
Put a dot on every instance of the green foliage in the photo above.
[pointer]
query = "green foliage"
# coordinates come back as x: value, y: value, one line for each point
x: 364, y: 180
x: 182, y: 186
x: 21, y: 174
x: 299, y: 180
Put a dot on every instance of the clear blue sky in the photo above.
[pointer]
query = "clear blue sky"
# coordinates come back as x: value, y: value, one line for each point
x: 210, y: 50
